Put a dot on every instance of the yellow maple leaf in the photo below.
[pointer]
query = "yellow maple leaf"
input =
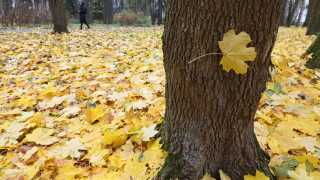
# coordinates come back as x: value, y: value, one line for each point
x: 223, y: 176
x: 94, y: 113
x: 116, y: 138
x: 31, y: 172
x: 49, y: 92
x: 97, y: 154
x: 207, y: 176
x: 149, y: 132
x: 300, y: 173
x: 135, y: 169
x: 26, y: 101
x: 42, y: 136
x: 154, y: 156
x: 259, y: 176
x: 72, y: 148
x: 127, y: 152
x: 68, y: 172
x: 235, y: 52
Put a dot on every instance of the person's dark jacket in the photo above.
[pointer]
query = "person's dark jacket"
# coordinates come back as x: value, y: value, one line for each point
x: 82, y: 10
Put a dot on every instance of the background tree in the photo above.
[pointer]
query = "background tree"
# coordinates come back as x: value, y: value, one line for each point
x: 315, y: 50
x: 59, y: 16
x: 292, y: 11
x: 160, y: 9
x: 310, y: 5
x: 299, y: 15
x: 284, y: 14
x: 71, y: 7
x: 314, y: 21
x: 108, y: 11
x: 210, y: 112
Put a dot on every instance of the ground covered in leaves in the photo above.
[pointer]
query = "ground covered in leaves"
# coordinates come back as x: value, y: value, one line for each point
x: 86, y: 105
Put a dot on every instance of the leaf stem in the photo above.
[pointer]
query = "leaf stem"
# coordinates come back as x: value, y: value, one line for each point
x: 203, y: 56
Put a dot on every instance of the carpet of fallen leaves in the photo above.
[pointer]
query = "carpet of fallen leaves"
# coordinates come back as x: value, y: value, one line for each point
x: 86, y: 105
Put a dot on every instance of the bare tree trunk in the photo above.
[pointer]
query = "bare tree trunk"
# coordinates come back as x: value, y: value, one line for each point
x: 123, y: 5
x: 292, y: 11
x: 7, y: 6
x: 89, y: 11
x: 284, y: 13
x: 108, y: 11
x: 315, y: 50
x: 305, y: 24
x: 209, y: 112
x: 6, y: 9
x: 59, y: 16
x: 153, y: 13
x: 302, y: 7
x: 160, y: 5
x: 314, y: 21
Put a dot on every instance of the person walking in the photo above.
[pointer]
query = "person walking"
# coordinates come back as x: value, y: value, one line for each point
x: 82, y: 13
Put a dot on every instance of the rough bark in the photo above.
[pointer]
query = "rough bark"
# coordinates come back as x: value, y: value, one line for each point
x: 314, y: 21
x: 315, y: 50
x: 310, y: 5
x: 59, y: 16
x: 292, y: 11
x: 209, y: 112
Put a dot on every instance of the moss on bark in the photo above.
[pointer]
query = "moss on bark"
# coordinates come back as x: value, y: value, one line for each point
x: 170, y: 168
x: 314, y: 49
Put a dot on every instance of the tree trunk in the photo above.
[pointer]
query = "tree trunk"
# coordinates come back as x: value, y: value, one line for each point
x: 310, y: 5
x: 153, y: 13
x: 59, y: 16
x: 108, y: 11
x: 284, y: 13
x: 314, y: 21
x: 209, y: 112
x: 315, y: 50
x: 7, y: 6
x: 89, y: 11
x: 302, y: 7
x: 292, y: 11
x: 160, y: 5
x: 123, y: 5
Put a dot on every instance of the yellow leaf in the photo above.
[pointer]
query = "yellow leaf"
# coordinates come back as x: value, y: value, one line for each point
x: 149, y: 132
x: 94, y: 113
x: 135, y: 169
x: 49, y: 92
x: 259, y: 176
x: 117, y: 138
x: 42, y: 136
x: 300, y: 173
x: 97, y: 155
x: 26, y: 101
x: 235, y: 52
x: 68, y: 172
x: 223, y: 176
x: 31, y: 172
x: 207, y: 177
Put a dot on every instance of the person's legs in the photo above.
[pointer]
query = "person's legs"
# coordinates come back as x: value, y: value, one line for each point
x: 85, y: 22
x: 81, y: 22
